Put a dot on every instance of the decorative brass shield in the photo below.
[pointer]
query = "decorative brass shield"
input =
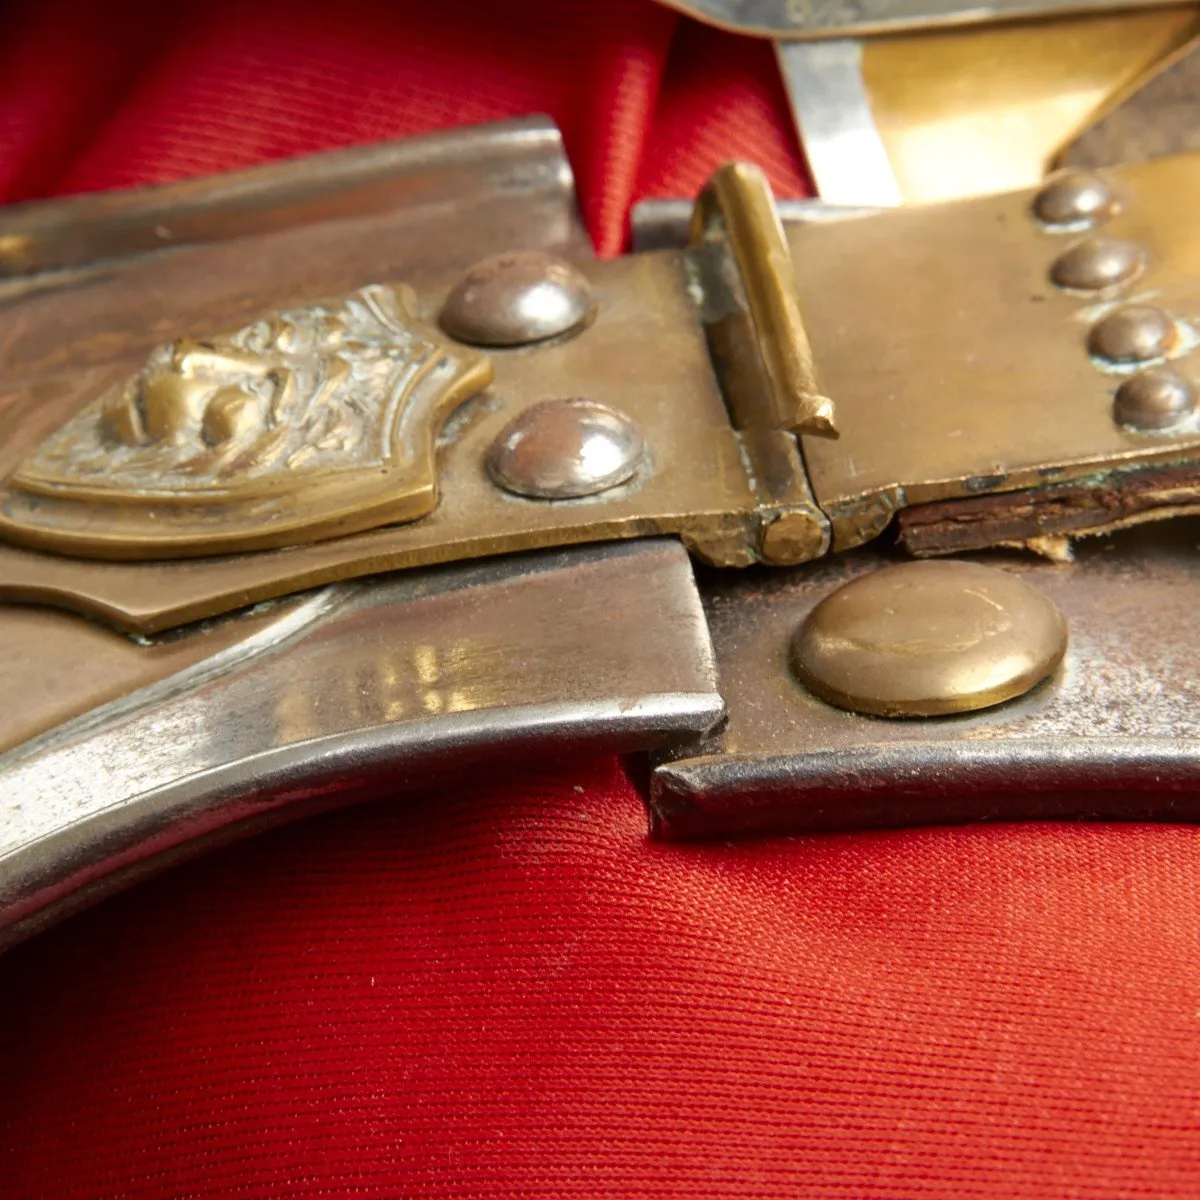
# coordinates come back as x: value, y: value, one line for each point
x: 306, y: 424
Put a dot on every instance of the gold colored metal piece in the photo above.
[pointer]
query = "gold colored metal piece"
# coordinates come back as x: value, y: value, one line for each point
x: 306, y: 425
x: 958, y: 370
x: 644, y: 353
x: 736, y: 210
x: 928, y: 638
x: 1155, y: 399
x: 978, y: 111
x: 1133, y: 333
x: 1097, y: 264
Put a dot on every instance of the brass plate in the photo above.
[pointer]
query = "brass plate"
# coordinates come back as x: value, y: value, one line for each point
x: 958, y: 368
x: 644, y: 354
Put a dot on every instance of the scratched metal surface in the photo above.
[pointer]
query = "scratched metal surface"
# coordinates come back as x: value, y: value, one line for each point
x: 1114, y: 734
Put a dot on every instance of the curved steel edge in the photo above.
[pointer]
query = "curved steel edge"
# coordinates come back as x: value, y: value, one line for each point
x: 131, y: 839
x: 364, y: 688
x: 924, y: 783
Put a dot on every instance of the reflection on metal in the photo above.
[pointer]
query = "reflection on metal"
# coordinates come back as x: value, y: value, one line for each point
x: 960, y: 372
x: 368, y: 685
x: 506, y: 185
x: 515, y: 298
x: 923, y: 639
x: 1074, y: 200
x: 846, y: 156
x: 1133, y: 333
x: 1155, y: 399
x: 305, y: 424
x: 566, y: 449
x: 818, y: 18
x: 1115, y: 734
x: 1097, y: 264
x: 989, y: 389
x: 1154, y: 115
x: 736, y: 224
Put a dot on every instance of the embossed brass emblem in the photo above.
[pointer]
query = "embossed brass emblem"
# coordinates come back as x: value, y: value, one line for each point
x: 306, y: 424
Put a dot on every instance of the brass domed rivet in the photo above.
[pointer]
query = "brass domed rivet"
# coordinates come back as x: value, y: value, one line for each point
x: 1154, y: 399
x: 516, y: 298
x: 928, y: 638
x: 1073, y: 199
x: 564, y: 449
x: 1131, y: 334
x: 1098, y: 263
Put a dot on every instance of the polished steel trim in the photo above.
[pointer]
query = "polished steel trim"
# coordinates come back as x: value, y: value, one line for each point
x: 366, y: 687
x: 847, y: 159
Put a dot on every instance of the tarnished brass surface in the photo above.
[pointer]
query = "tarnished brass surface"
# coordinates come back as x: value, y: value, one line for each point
x: 1113, y: 735
x: 925, y: 639
x: 515, y: 298
x: 435, y: 204
x: 644, y: 354
x: 307, y: 424
x: 957, y: 366
x: 973, y: 112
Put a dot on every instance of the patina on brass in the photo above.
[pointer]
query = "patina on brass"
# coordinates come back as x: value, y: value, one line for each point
x: 924, y: 639
x: 303, y: 425
x: 959, y: 372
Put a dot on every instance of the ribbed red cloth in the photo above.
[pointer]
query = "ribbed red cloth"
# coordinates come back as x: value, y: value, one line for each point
x: 505, y: 990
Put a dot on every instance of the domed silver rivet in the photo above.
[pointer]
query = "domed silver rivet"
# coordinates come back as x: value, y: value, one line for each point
x: 515, y: 298
x: 922, y: 639
x: 1154, y: 399
x: 1095, y: 264
x: 564, y: 449
x: 1074, y: 198
x: 1134, y: 333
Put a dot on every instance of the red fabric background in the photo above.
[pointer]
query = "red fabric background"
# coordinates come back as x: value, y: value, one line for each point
x: 506, y: 990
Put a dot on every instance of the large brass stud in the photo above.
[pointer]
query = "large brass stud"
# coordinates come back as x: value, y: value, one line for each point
x: 1074, y: 198
x: 516, y: 298
x: 1098, y: 263
x: 1133, y: 333
x: 1154, y: 399
x: 564, y: 449
x: 928, y: 638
